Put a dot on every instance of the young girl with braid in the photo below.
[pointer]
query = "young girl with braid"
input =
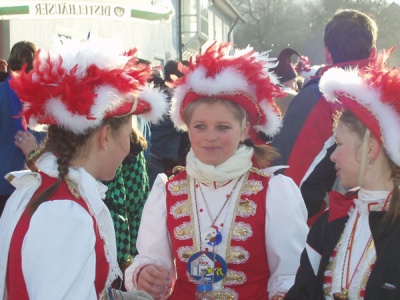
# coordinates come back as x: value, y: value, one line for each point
x: 353, y: 250
x: 56, y: 234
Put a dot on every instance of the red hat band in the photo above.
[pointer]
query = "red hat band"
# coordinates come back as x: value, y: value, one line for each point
x: 252, y: 109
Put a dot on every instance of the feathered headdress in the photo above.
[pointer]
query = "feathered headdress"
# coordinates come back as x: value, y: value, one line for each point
x: 373, y: 95
x: 81, y: 83
x: 242, y: 78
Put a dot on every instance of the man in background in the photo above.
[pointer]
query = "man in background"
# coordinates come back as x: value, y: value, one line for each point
x: 306, y: 140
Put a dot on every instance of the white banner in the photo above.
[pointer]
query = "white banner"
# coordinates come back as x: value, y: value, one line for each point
x: 150, y: 10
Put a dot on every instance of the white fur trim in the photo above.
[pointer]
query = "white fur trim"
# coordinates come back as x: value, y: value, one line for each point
x: 107, y: 100
x: 338, y: 80
x: 273, y: 120
x: 74, y: 122
x: 158, y: 102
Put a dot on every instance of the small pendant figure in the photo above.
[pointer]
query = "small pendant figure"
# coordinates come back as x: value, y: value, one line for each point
x: 212, y: 236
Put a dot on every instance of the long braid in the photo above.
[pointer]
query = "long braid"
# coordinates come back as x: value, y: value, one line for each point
x: 63, y: 144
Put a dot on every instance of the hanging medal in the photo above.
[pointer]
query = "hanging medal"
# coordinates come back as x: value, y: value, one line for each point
x: 208, y: 265
x: 204, y: 264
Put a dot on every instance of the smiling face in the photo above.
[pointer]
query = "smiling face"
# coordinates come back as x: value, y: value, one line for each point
x: 215, y: 130
x: 347, y: 155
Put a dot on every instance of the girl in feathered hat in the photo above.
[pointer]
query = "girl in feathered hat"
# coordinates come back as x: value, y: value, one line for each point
x: 225, y: 220
x: 56, y: 234
x: 353, y: 249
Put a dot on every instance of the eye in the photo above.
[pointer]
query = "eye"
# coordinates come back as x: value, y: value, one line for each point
x: 199, y: 126
x: 223, y: 127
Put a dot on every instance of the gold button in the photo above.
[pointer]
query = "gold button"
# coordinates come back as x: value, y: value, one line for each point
x: 176, y: 188
x: 180, y: 232
x: 255, y: 188
x: 241, y: 256
x: 178, y: 211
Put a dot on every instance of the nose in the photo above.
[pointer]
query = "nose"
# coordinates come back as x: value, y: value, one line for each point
x: 333, y: 156
x: 211, y: 135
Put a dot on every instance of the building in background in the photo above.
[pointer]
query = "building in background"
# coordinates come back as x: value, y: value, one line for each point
x: 160, y: 29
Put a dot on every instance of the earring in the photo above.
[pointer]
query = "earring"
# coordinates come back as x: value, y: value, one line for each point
x: 370, y: 162
x: 105, y: 148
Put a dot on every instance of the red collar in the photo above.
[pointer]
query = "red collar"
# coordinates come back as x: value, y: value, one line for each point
x: 340, y: 205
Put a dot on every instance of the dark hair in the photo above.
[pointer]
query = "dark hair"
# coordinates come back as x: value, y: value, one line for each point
x: 22, y: 53
x: 171, y: 68
x: 65, y: 144
x: 263, y: 154
x: 158, y: 82
x: 356, y: 126
x: 350, y: 35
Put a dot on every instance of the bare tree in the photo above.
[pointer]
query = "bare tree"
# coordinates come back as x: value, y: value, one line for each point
x: 277, y: 24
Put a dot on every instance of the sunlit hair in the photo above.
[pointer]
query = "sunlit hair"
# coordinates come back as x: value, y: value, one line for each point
x: 66, y: 145
x: 263, y: 154
x: 348, y: 119
x: 350, y: 35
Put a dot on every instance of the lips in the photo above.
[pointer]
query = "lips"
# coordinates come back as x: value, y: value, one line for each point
x: 211, y: 148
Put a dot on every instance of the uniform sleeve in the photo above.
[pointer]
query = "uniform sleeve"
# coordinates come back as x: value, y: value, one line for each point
x: 58, y: 254
x: 305, y: 286
x: 153, y: 242
x: 286, y: 232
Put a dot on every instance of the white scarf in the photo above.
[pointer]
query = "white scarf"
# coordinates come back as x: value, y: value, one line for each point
x: 235, y: 166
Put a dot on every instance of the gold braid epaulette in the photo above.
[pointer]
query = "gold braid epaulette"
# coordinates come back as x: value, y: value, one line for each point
x: 259, y: 172
x: 176, y: 170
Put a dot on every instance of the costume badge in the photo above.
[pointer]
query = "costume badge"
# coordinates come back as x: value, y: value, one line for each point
x: 208, y: 265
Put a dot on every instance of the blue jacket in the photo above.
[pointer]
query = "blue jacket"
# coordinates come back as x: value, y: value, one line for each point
x: 11, y: 157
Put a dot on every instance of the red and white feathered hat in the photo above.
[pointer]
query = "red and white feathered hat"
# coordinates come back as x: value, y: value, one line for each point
x: 79, y: 84
x: 373, y: 95
x: 242, y: 78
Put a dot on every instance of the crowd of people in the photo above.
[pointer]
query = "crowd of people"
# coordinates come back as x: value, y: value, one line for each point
x: 235, y: 173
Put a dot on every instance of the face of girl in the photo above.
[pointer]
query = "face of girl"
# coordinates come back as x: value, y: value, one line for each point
x: 118, y: 148
x: 347, y: 155
x: 215, y: 132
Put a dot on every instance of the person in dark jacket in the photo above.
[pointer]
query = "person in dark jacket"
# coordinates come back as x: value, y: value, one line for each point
x: 353, y: 250
x: 305, y: 140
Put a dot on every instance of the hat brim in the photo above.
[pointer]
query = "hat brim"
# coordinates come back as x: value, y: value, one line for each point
x: 362, y: 113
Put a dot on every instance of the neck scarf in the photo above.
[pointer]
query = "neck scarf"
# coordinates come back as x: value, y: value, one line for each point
x: 236, y: 165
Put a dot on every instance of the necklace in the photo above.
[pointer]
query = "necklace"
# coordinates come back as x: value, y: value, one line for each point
x: 212, y: 235
x: 344, y: 293
x: 205, y: 264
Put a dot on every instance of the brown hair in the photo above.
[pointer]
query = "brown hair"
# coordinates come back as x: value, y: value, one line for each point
x: 22, y: 53
x: 65, y: 144
x: 350, y: 35
x: 356, y: 126
x: 263, y: 154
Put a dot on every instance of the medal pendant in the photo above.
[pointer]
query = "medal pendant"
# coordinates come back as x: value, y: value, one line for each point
x: 208, y: 265
x: 343, y: 295
x: 212, y: 236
